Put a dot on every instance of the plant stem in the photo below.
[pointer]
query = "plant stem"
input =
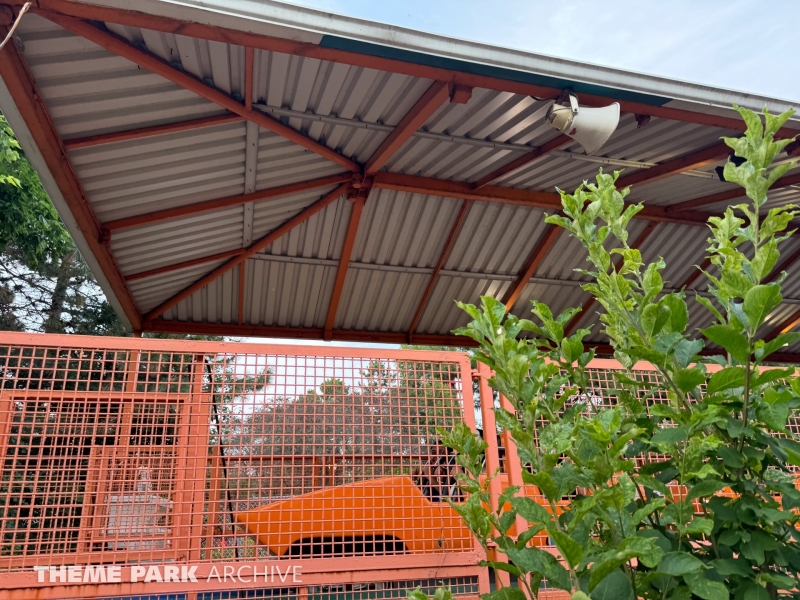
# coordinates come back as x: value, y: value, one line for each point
x: 746, y: 402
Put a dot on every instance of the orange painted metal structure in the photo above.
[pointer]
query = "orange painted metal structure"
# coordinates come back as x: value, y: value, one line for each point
x: 140, y: 451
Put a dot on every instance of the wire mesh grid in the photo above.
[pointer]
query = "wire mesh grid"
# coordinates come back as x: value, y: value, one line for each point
x: 139, y: 456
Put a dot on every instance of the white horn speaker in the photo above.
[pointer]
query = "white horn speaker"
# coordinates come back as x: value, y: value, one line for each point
x: 590, y: 127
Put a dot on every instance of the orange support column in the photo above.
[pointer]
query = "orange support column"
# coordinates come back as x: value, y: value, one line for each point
x: 492, y: 456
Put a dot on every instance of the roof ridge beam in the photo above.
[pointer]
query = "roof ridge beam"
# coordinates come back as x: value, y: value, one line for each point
x: 737, y: 192
x: 390, y: 65
x: 243, y: 255
x: 423, y: 109
x: 28, y: 100
x: 514, y: 196
x: 686, y: 162
x: 555, y: 144
x: 211, y: 205
x: 448, y: 247
x: 122, y: 48
x: 535, y: 259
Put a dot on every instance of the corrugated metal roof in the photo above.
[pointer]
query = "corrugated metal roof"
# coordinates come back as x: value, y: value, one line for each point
x: 352, y: 109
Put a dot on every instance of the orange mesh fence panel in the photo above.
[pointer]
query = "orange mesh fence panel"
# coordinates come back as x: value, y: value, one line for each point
x: 181, y: 454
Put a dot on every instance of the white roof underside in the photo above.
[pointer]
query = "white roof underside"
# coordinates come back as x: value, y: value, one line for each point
x: 401, y: 235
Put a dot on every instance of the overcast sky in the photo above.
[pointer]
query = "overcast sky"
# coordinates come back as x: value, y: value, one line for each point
x: 745, y: 45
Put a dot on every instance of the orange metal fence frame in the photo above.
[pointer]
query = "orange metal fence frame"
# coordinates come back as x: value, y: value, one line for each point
x: 232, y: 459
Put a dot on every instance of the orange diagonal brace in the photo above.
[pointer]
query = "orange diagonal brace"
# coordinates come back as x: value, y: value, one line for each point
x: 687, y: 162
x: 200, y: 207
x: 250, y: 251
x: 736, y: 192
x: 534, y: 260
x: 430, y: 102
x: 122, y: 48
x: 448, y: 246
x: 28, y: 100
x: 637, y: 244
x: 134, y: 134
x: 554, y: 144
x: 344, y: 259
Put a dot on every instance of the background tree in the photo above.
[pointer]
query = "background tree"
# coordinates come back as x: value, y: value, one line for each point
x: 45, y: 284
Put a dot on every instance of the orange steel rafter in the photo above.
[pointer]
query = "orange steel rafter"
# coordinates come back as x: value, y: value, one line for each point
x: 637, y: 245
x: 122, y: 48
x: 554, y: 144
x: 448, y: 246
x: 737, y: 192
x: 28, y: 100
x: 344, y: 260
x: 687, y: 162
x: 534, y: 260
x: 209, y: 205
x: 134, y: 134
x: 308, y: 50
x: 183, y: 265
x: 518, y: 197
x: 250, y: 251
x: 425, y: 107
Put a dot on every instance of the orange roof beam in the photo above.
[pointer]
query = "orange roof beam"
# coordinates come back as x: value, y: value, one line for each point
x: 28, y: 100
x: 514, y: 196
x: 448, y: 247
x: 556, y: 143
x: 183, y: 265
x: 424, y: 108
x: 122, y: 48
x: 358, y: 200
x: 243, y: 255
x: 210, y: 205
x: 534, y: 260
x: 134, y: 134
x: 133, y: 18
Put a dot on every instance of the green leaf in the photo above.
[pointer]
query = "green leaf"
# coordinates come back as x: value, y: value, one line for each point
x: 704, y: 588
x: 669, y: 436
x: 732, y: 566
x: 616, y: 586
x: 545, y: 483
x: 569, y: 548
x: 759, y: 302
x: 730, y: 339
x: 531, y: 511
x: 688, y: 379
x: 679, y: 314
x: 686, y: 350
x: 704, y: 489
x: 679, y: 563
x: 654, y: 317
x: 502, y: 566
x: 727, y: 378
x: 756, y: 592
x: 417, y: 594
x: 535, y: 560
x: 443, y: 593
x: 505, y: 593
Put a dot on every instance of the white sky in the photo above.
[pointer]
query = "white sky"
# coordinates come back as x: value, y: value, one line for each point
x: 745, y: 45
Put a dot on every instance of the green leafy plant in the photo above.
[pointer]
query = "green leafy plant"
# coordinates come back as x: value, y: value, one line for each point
x: 683, y: 488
